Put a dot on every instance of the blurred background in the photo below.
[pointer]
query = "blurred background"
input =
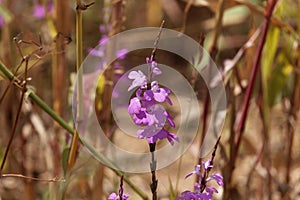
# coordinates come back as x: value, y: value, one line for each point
x: 259, y: 162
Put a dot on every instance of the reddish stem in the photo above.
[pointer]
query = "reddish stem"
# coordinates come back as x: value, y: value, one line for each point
x: 240, y: 129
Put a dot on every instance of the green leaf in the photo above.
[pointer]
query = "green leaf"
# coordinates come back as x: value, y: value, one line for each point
x: 268, y: 63
x: 279, y: 82
x: 172, y: 192
x: 270, y: 48
x: 99, y: 92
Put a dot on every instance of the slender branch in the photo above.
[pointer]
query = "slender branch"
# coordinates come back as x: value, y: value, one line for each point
x: 231, y: 63
x: 13, y: 131
x: 218, y: 28
x: 185, y: 15
x: 213, y: 52
x: 195, y: 75
x: 154, y: 182
x: 121, y: 188
x: 263, y: 112
x: 79, y: 57
x: 152, y: 57
x: 14, y: 128
x: 292, y: 118
x: 5, y: 92
x: 241, y: 126
x: 211, y: 163
x: 274, y: 20
x: 255, y: 69
x: 32, y: 178
x: 114, y: 14
x: 153, y: 53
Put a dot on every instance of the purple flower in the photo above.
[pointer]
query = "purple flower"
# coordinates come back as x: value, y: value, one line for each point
x: 145, y: 110
x: 196, y: 171
x: 145, y: 107
x: 100, y: 52
x: 201, y: 190
x: 188, y: 195
x: 96, y: 52
x: 134, y: 106
x: 207, y: 165
x: 139, y: 79
x: 39, y: 11
x: 104, y: 39
x: 217, y: 177
x: 159, y: 94
x: 114, y: 196
x: 121, y: 53
x: 161, y: 135
x: 154, y: 69
x: 102, y: 28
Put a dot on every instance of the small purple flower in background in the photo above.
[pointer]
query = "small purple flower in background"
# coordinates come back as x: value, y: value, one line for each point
x: 145, y: 106
x: 39, y: 10
x: 102, y: 28
x: 103, y: 40
x: 122, y: 53
x: 100, y: 52
x: 201, y: 190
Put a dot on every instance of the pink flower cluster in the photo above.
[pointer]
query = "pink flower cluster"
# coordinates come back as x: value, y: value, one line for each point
x: 145, y: 106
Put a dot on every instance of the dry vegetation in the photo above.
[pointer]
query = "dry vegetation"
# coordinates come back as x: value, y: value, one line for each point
x: 254, y: 43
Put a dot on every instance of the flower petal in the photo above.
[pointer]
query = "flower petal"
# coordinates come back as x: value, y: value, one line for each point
x: 217, y: 177
x: 134, y: 106
x: 211, y: 190
x: 113, y: 196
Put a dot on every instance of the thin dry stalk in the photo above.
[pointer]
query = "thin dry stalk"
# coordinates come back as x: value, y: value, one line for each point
x: 117, y: 17
x: 213, y: 52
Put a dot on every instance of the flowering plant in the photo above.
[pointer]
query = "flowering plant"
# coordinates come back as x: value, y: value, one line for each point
x: 201, y: 190
x: 145, y: 108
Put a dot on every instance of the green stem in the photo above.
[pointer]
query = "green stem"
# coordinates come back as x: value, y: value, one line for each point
x: 5, y: 72
x: 73, y: 149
